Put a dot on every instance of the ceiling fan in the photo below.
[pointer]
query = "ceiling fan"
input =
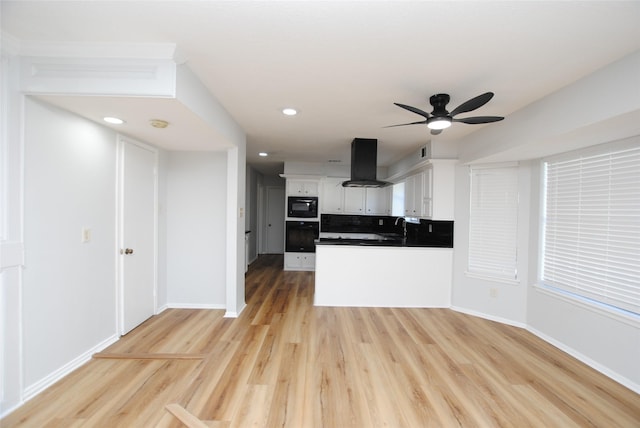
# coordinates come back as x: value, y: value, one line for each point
x: 440, y: 118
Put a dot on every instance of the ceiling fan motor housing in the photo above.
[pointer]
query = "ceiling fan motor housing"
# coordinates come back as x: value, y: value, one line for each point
x: 439, y: 102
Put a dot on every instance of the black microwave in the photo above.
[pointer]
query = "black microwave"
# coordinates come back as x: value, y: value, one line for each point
x: 302, y: 206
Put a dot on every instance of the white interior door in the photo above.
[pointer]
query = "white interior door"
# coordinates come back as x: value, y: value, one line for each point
x: 137, y: 234
x: 275, y: 221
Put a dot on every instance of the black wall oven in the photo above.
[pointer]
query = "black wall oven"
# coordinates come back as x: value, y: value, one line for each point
x: 302, y: 206
x: 301, y: 236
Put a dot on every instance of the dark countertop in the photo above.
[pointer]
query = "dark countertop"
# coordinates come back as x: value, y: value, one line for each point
x: 388, y: 242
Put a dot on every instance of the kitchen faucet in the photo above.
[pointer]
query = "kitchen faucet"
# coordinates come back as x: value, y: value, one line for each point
x: 404, y: 226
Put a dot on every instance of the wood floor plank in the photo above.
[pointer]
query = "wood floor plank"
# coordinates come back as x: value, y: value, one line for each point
x: 253, y: 411
x: 184, y: 416
x: 223, y: 400
x: 285, y: 363
x: 147, y: 356
x: 289, y: 386
x: 198, y: 395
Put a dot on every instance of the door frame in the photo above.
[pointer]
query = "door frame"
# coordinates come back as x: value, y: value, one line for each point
x: 122, y: 141
x: 265, y: 217
x: 260, y: 215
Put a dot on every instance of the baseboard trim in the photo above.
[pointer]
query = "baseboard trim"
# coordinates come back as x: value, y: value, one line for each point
x: 194, y: 306
x: 234, y: 314
x: 489, y: 317
x: 586, y: 360
x: 44, y: 383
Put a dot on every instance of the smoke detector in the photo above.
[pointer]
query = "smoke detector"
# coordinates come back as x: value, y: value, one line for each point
x: 159, y: 123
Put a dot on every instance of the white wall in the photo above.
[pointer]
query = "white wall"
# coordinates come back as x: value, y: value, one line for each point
x: 251, y: 219
x: 196, y: 229
x: 195, y: 96
x: 327, y: 169
x: 571, y: 120
x: 11, y: 221
x: 573, y: 117
x: 68, y: 298
x: 163, y: 262
x: 500, y: 301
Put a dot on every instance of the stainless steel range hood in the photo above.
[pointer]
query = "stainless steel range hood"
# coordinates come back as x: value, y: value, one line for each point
x: 364, y: 159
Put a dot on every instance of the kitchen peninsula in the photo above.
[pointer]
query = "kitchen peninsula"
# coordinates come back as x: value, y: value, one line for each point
x: 411, y: 269
x: 383, y: 276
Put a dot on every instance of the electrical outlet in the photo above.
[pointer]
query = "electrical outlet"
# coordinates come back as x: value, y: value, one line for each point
x: 86, y: 235
x: 380, y: 222
x: 493, y: 292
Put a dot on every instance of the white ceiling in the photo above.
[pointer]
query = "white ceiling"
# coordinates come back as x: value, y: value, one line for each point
x: 341, y: 64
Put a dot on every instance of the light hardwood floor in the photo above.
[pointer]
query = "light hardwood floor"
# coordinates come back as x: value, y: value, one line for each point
x: 285, y: 363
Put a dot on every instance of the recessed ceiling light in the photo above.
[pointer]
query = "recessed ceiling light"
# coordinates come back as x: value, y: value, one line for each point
x: 263, y: 154
x: 113, y: 120
x: 289, y: 111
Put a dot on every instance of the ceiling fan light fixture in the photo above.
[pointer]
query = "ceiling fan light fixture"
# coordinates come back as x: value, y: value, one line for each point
x: 439, y: 122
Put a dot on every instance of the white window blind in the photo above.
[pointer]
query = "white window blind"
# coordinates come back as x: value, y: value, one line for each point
x: 592, y: 226
x: 493, y: 222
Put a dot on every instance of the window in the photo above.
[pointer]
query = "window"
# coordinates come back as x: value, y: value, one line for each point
x: 493, y: 222
x: 591, y: 223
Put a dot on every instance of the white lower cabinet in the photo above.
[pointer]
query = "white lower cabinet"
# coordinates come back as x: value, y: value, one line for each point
x: 299, y: 261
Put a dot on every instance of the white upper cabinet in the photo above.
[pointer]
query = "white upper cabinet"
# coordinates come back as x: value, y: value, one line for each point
x: 378, y: 201
x: 413, y: 195
x: 335, y: 199
x: 354, y: 200
x: 430, y: 193
x: 443, y: 189
x: 302, y: 187
x: 332, y: 196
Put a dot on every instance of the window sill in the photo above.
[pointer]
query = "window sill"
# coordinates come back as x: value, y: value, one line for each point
x: 621, y: 315
x: 492, y: 278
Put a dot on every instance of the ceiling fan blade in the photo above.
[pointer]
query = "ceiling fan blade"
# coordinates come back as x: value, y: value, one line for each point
x: 436, y: 131
x: 414, y: 110
x: 479, y: 119
x: 404, y: 124
x: 473, y: 103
